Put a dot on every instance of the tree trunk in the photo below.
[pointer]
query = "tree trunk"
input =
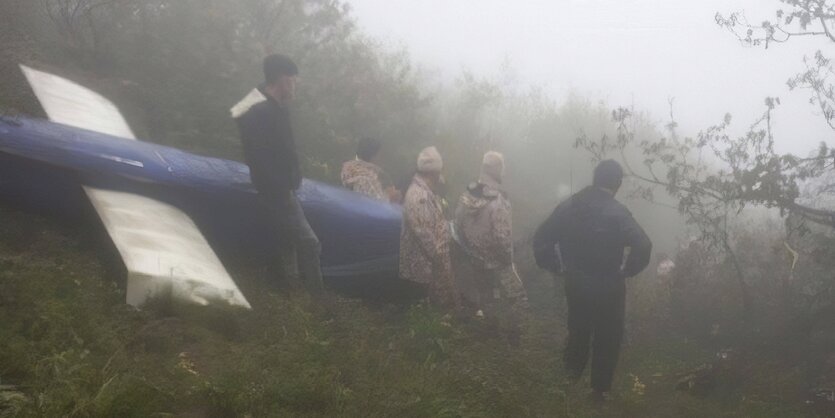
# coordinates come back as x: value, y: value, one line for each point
x: 745, y: 293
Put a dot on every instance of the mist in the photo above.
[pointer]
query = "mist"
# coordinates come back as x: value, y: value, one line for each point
x: 670, y: 61
x: 268, y: 208
x: 637, y: 53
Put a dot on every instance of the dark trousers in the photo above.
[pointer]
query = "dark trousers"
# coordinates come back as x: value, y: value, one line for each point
x: 595, y: 322
x: 300, y: 249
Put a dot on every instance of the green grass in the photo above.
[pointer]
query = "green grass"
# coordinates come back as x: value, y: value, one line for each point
x: 69, y: 346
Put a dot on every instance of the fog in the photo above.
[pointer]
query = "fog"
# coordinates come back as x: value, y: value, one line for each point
x: 727, y: 312
x: 625, y: 53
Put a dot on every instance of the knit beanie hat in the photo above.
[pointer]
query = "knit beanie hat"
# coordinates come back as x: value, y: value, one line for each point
x: 429, y: 161
x: 492, y: 168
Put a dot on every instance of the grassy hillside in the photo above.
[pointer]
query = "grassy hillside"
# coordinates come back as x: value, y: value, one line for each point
x: 69, y: 346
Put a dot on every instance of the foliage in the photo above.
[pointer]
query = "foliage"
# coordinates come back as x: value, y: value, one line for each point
x: 713, y: 176
x: 176, y: 67
x: 72, y: 348
x: 801, y: 18
x: 791, y: 279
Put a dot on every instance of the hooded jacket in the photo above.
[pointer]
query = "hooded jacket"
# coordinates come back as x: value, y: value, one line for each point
x: 483, y: 225
x: 363, y: 177
x: 591, y: 231
x: 269, y: 147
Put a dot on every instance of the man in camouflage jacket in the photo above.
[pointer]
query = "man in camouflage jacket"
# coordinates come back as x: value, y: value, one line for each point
x: 425, y: 237
x: 483, y: 232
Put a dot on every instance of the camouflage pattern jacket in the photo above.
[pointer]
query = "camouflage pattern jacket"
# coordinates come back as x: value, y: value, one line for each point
x: 483, y: 226
x: 424, y: 238
x: 363, y: 177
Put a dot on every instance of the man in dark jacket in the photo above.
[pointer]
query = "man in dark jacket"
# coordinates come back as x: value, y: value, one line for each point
x: 270, y: 152
x: 585, y: 240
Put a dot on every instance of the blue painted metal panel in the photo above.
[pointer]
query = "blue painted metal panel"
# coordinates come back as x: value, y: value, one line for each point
x: 360, y: 236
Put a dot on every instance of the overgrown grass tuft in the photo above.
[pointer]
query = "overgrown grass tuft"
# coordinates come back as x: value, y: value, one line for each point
x: 69, y: 346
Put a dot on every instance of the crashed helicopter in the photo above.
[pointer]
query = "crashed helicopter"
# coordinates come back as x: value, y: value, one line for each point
x: 167, y: 210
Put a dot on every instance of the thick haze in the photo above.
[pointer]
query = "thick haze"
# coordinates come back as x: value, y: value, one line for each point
x: 620, y: 51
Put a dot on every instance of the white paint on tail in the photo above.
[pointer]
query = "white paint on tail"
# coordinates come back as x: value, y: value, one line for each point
x: 164, y: 252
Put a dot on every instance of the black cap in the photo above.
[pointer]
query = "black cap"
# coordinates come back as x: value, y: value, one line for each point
x: 608, y: 174
x: 277, y: 65
x: 368, y: 148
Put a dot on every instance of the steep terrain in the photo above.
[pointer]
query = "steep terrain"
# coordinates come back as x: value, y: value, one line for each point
x: 69, y: 346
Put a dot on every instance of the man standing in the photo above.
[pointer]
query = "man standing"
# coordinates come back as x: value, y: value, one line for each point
x: 424, y: 237
x: 483, y: 231
x: 585, y: 239
x: 270, y: 152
